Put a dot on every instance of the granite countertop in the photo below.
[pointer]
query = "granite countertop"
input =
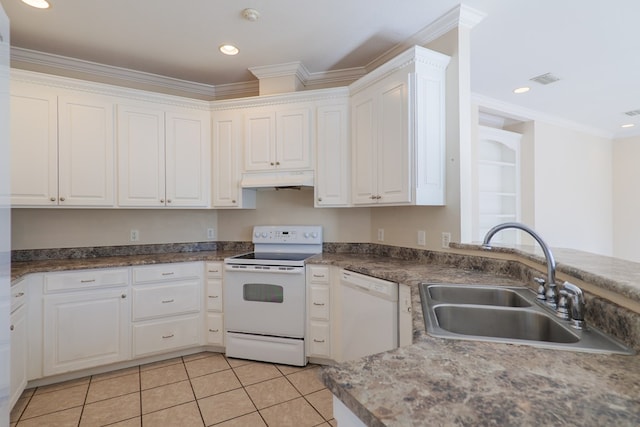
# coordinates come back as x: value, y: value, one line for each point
x: 453, y: 382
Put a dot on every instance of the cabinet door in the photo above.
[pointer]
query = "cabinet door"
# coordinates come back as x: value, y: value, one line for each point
x: 85, y: 329
x: 364, y: 139
x: 85, y: 151
x: 259, y: 141
x: 18, y: 375
x: 392, y: 163
x: 227, y: 130
x: 332, y: 170
x: 187, y: 151
x: 293, y: 139
x: 34, y: 146
x: 141, y: 160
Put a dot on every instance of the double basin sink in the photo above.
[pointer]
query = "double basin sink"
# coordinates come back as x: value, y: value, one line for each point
x: 507, y: 315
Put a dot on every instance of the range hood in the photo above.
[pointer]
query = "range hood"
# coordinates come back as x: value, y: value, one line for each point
x: 277, y: 179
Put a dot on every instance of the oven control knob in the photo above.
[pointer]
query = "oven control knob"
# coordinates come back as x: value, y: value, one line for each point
x: 306, y: 235
x: 256, y: 234
x: 264, y: 234
x: 314, y: 235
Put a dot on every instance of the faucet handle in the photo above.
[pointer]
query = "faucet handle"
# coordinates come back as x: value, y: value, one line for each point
x: 576, y: 298
x: 541, y: 290
x: 563, y: 305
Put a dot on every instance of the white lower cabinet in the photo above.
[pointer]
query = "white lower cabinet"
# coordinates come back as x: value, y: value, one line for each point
x: 166, y: 307
x: 18, y: 334
x: 214, y: 319
x: 86, y: 328
x: 319, y: 312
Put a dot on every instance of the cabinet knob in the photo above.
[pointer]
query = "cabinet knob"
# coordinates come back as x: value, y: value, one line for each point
x: 161, y: 200
x: 123, y: 296
x: 277, y: 163
x: 319, y: 199
x: 52, y: 199
x: 62, y: 199
x: 19, y: 294
x: 272, y: 164
x: 168, y: 200
x: 11, y: 328
x: 233, y: 201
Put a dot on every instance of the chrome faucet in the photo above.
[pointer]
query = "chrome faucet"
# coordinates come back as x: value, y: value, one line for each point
x: 550, y: 297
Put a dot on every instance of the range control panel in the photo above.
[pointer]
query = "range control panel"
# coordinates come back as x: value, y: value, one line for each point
x: 294, y: 234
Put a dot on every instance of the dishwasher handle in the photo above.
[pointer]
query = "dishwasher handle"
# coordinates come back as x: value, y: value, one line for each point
x: 378, y: 287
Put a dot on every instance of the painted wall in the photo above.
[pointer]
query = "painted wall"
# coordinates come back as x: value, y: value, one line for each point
x: 626, y: 198
x: 573, y: 189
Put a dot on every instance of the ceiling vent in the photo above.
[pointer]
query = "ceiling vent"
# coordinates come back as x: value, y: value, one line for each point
x: 632, y: 113
x: 545, y: 79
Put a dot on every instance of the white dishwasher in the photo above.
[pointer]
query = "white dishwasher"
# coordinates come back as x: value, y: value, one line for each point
x: 369, y: 315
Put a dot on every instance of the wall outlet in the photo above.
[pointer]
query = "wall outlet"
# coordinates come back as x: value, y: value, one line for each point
x: 422, y: 238
x: 380, y: 234
x: 211, y: 233
x: 446, y: 239
x: 134, y: 235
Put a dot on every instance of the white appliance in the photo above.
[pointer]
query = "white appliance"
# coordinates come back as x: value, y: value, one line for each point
x: 264, y: 291
x: 369, y: 315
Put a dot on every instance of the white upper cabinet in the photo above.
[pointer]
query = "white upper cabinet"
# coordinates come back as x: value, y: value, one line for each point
x: 333, y: 155
x: 397, y: 131
x: 277, y: 139
x: 163, y: 157
x: 62, y: 147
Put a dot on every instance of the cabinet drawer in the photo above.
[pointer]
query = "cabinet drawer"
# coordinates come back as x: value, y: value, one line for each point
x: 166, y: 272
x: 166, y: 300
x: 18, y: 295
x: 85, y: 279
x: 319, y: 302
x: 214, y: 269
x: 164, y: 335
x: 319, y: 339
x: 318, y: 274
x: 214, y: 295
x: 215, y: 331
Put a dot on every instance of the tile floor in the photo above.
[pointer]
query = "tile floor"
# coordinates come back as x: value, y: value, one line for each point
x: 203, y: 389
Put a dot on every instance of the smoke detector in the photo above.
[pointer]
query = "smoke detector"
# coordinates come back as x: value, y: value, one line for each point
x: 250, y: 15
x: 545, y: 79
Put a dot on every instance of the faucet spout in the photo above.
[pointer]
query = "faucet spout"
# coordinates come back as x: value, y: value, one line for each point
x: 551, y: 262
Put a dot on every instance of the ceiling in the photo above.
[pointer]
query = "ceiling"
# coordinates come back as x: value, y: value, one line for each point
x: 592, y: 47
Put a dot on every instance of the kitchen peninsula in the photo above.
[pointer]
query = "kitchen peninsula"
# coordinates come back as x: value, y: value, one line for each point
x: 449, y: 382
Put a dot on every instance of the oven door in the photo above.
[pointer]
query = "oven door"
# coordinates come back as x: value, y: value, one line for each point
x: 265, y: 302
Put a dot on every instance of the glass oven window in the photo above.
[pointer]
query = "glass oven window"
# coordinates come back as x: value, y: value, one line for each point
x: 262, y: 292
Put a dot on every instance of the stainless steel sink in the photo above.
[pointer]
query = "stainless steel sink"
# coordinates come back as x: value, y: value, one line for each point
x: 505, y: 314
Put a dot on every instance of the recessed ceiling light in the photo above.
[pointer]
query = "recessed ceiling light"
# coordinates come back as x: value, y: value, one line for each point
x: 40, y: 4
x: 522, y: 89
x: 229, y: 49
x: 628, y: 125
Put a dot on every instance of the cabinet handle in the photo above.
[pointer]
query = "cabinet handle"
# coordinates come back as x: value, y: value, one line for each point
x: 161, y: 200
x: 62, y: 199
x: 318, y: 304
x: 123, y: 296
x: 213, y: 271
x: 320, y: 341
x: 372, y: 197
x: 319, y: 199
x: 213, y: 296
x: 233, y: 201
x: 168, y: 200
x: 167, y: 336
x: 88, y: 281
x: 320, y: 276
x: 169, y: 273
x: 277, y: 163
x: 11, y: 328
x: 167, y: 301
x: 53, y: 199
x: 19, y: 294
x: 214, y: 330
x: 378, y: 197
x: 272, y: 164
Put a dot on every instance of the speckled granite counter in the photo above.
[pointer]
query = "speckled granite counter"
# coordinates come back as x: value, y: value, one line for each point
x: 452, y: 382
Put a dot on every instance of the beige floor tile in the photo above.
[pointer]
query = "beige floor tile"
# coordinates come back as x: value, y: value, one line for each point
x: 66, y: 418
x: 323, y: 402
x: 61, y: 386
x: 256, y: 372
x: 211, y: 384
x: 115, y: 374
x: 272, y: 392
x: 131, y: 422
x: 46, y: 403
x: 225, y: 406
x: 234, y: 363
x: 295, y: 413
x: 185, y: 415
x: 19, y: 408
x: 111, y: 410
x: 162, y: 376
x: 166, y: 396
x: 206, y: 365
x: 160, y: 364
x: 306, y: 381
x: 250, y: 420
x: 196, y: 356
x: 113, y: 387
